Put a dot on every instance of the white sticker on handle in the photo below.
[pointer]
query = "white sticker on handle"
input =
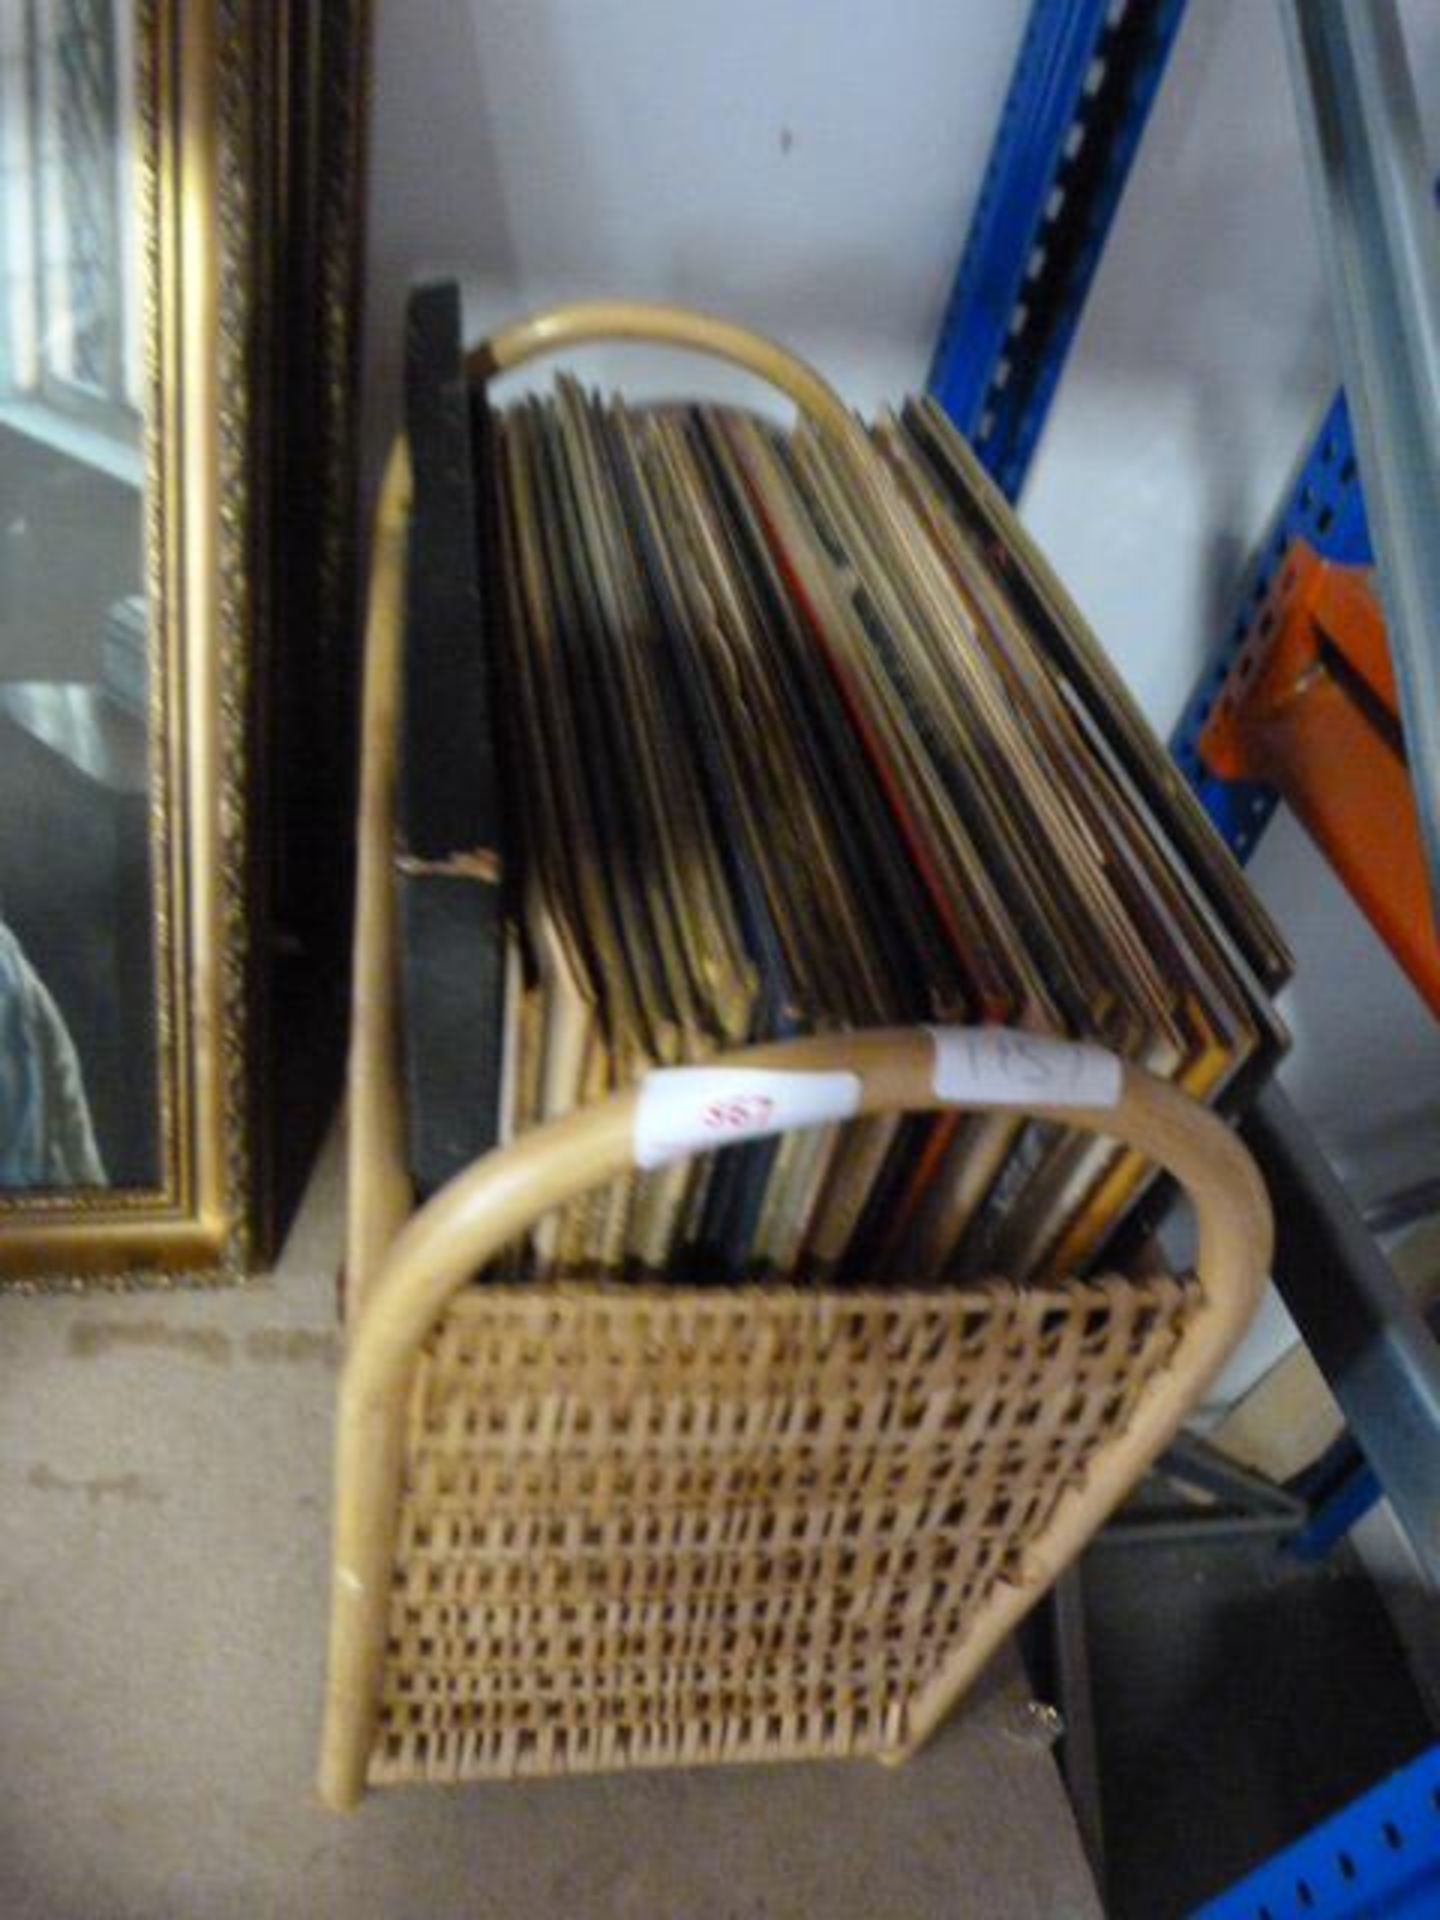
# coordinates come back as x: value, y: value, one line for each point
x: 686, y: 1110
x: 997, y: 1067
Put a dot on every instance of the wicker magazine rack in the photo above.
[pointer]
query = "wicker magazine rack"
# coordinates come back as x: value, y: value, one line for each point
x: 583, y: 1527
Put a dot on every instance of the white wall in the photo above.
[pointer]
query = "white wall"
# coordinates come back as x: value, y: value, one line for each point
x: 811, y: 169
x: 808, y: 168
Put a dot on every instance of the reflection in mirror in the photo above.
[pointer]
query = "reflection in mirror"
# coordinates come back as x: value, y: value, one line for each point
x: 79, y: 1080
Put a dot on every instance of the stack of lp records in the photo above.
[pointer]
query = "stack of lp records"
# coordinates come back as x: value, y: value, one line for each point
x: 786, y: 731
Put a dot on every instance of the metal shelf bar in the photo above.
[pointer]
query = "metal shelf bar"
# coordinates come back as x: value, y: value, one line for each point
x: 1361, y: 125
x: 1378, y: 230
x: 1367, y: 1336
x: 1368, y: 170
x: 1084, y: 82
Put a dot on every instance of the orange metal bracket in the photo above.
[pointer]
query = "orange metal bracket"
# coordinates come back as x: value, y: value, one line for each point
x: 1310, y: 707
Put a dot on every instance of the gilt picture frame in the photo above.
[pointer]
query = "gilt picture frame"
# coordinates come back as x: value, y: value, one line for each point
x: 245, y: 123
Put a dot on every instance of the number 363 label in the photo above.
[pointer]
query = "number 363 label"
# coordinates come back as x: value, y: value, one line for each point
x: 685, y: 1110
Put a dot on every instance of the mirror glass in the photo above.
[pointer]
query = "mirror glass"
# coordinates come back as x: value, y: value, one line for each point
x: 79, y: 1081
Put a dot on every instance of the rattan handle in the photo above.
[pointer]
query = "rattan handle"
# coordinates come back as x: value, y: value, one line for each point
x: 486, y: 1207
x: 597, y: 320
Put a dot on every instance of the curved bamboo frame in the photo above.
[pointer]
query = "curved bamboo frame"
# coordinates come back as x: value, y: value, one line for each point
x: 403, y: 1276
x: 378, y: 1195
x: 664, y: 326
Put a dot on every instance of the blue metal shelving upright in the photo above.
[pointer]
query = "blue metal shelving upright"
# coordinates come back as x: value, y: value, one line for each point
x: 1084, y: 82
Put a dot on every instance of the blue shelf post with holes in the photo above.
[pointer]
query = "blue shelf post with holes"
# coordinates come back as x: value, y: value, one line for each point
x: 1083, y: 86
x: 1379, y: 1856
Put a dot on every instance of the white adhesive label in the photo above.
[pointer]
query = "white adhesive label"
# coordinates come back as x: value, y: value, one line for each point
x: 686, y: 1110
x: 997, y: 1067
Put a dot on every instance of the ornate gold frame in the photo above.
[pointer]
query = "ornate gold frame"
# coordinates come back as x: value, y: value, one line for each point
x: 245, y: 107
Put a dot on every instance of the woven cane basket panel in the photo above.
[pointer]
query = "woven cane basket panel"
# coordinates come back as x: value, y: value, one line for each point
x: 647, y: 1530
